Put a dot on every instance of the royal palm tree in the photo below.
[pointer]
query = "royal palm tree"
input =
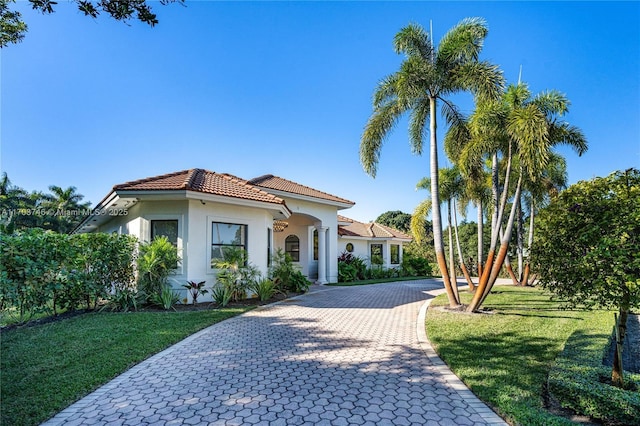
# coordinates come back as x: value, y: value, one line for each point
x: 427, y: 76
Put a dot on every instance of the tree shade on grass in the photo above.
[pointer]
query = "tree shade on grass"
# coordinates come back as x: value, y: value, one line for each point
x: 47, y: 367
x: 505, y: 356
x: 589, y: 249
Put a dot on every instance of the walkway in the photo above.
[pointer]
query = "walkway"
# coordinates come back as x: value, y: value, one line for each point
x: 335, y: 356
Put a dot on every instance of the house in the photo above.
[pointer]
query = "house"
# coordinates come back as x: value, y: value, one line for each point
x: 203, y: 213
x: 378, y: 244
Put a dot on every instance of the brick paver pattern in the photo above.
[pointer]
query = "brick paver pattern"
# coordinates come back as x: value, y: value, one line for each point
x: 335, y: 356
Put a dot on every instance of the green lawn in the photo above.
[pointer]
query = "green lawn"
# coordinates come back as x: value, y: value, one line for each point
x: 505, y: 356
x: 47, y: 367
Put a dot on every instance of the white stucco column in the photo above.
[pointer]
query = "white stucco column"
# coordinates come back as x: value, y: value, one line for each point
x: 322, y: 255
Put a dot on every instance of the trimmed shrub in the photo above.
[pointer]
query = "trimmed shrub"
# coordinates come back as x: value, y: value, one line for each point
x: 578, y: 381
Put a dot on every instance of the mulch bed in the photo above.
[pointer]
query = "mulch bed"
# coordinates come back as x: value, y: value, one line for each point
x: 204, y: 306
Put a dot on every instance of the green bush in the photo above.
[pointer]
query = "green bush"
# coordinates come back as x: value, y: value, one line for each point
x: 45, y: 272
x: 286, y: 275
x: 415, y: 266
x: 578, y: 381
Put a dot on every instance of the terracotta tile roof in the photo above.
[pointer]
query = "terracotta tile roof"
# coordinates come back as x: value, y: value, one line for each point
x: 369, y: 230
x: 204, y: 181
x: 280, y: 184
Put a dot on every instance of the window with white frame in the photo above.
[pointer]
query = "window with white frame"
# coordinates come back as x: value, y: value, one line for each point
x: 227, y: 238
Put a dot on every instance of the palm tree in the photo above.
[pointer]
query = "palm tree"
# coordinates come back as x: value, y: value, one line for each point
x: 531, y: 129
x: 538, y: 194
x: 452, y: 188
x: 427, y: 76
x: 65, y: 203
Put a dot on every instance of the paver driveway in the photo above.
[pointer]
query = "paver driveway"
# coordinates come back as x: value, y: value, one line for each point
x: 335, y: 356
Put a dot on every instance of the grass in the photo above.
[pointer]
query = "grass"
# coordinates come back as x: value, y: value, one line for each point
x: 505, y: 356
x: 377, y: 281
x: 47, y: 367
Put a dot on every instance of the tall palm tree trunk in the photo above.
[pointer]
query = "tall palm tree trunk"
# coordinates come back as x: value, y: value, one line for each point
x: 485, y: 284
x: 527, y: 266
x: 480, y: 238
x: 438, y: 243
x: 504, y: 245
x: 452, y: 264
x: 509, y: 268
x: 520, y: 240
x: 463, y: 267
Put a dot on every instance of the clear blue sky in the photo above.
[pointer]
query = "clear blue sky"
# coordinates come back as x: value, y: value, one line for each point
x: 250, y: 88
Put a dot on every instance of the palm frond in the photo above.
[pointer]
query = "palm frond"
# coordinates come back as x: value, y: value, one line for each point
x: 528, y: 127
x: 463, y: 42
x: 418, y: 123
x: 378, y: 127
x: 566, y: 134
x: 413, y: 40
x: 483, y: 79
x: 456, y: 138
x: 386, y: 90
x: 424, y: 183
x: 552, y: 103
x: 419, y: 221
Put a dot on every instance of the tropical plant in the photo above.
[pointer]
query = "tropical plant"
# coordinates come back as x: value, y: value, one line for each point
x: 413, y: 265
x: 166, y: 299
x: 235, y: 273
x: 525, y: 130
x: 588, y: 250
x: 286, y: 275
x: 427, y: 76
x: 264, y: 288
x: 156, y: 261
x: 124, y: 299
x: 195, y: 289
x: 221, y: 295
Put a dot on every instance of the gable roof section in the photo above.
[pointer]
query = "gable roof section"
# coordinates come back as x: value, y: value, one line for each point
x: 370, y: 230
x: 199, y: 180
x: 283, y: 185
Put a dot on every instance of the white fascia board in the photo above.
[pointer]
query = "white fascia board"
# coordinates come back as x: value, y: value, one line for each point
x: 339, y: 205
x: 96, y: 213
x: 281, y: 210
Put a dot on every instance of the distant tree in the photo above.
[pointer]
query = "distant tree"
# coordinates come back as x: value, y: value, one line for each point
x: 65, y: 207
x: 13, y: 29
x: 588, y: 248
x: 396, y: 220
x: 60, y: 210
